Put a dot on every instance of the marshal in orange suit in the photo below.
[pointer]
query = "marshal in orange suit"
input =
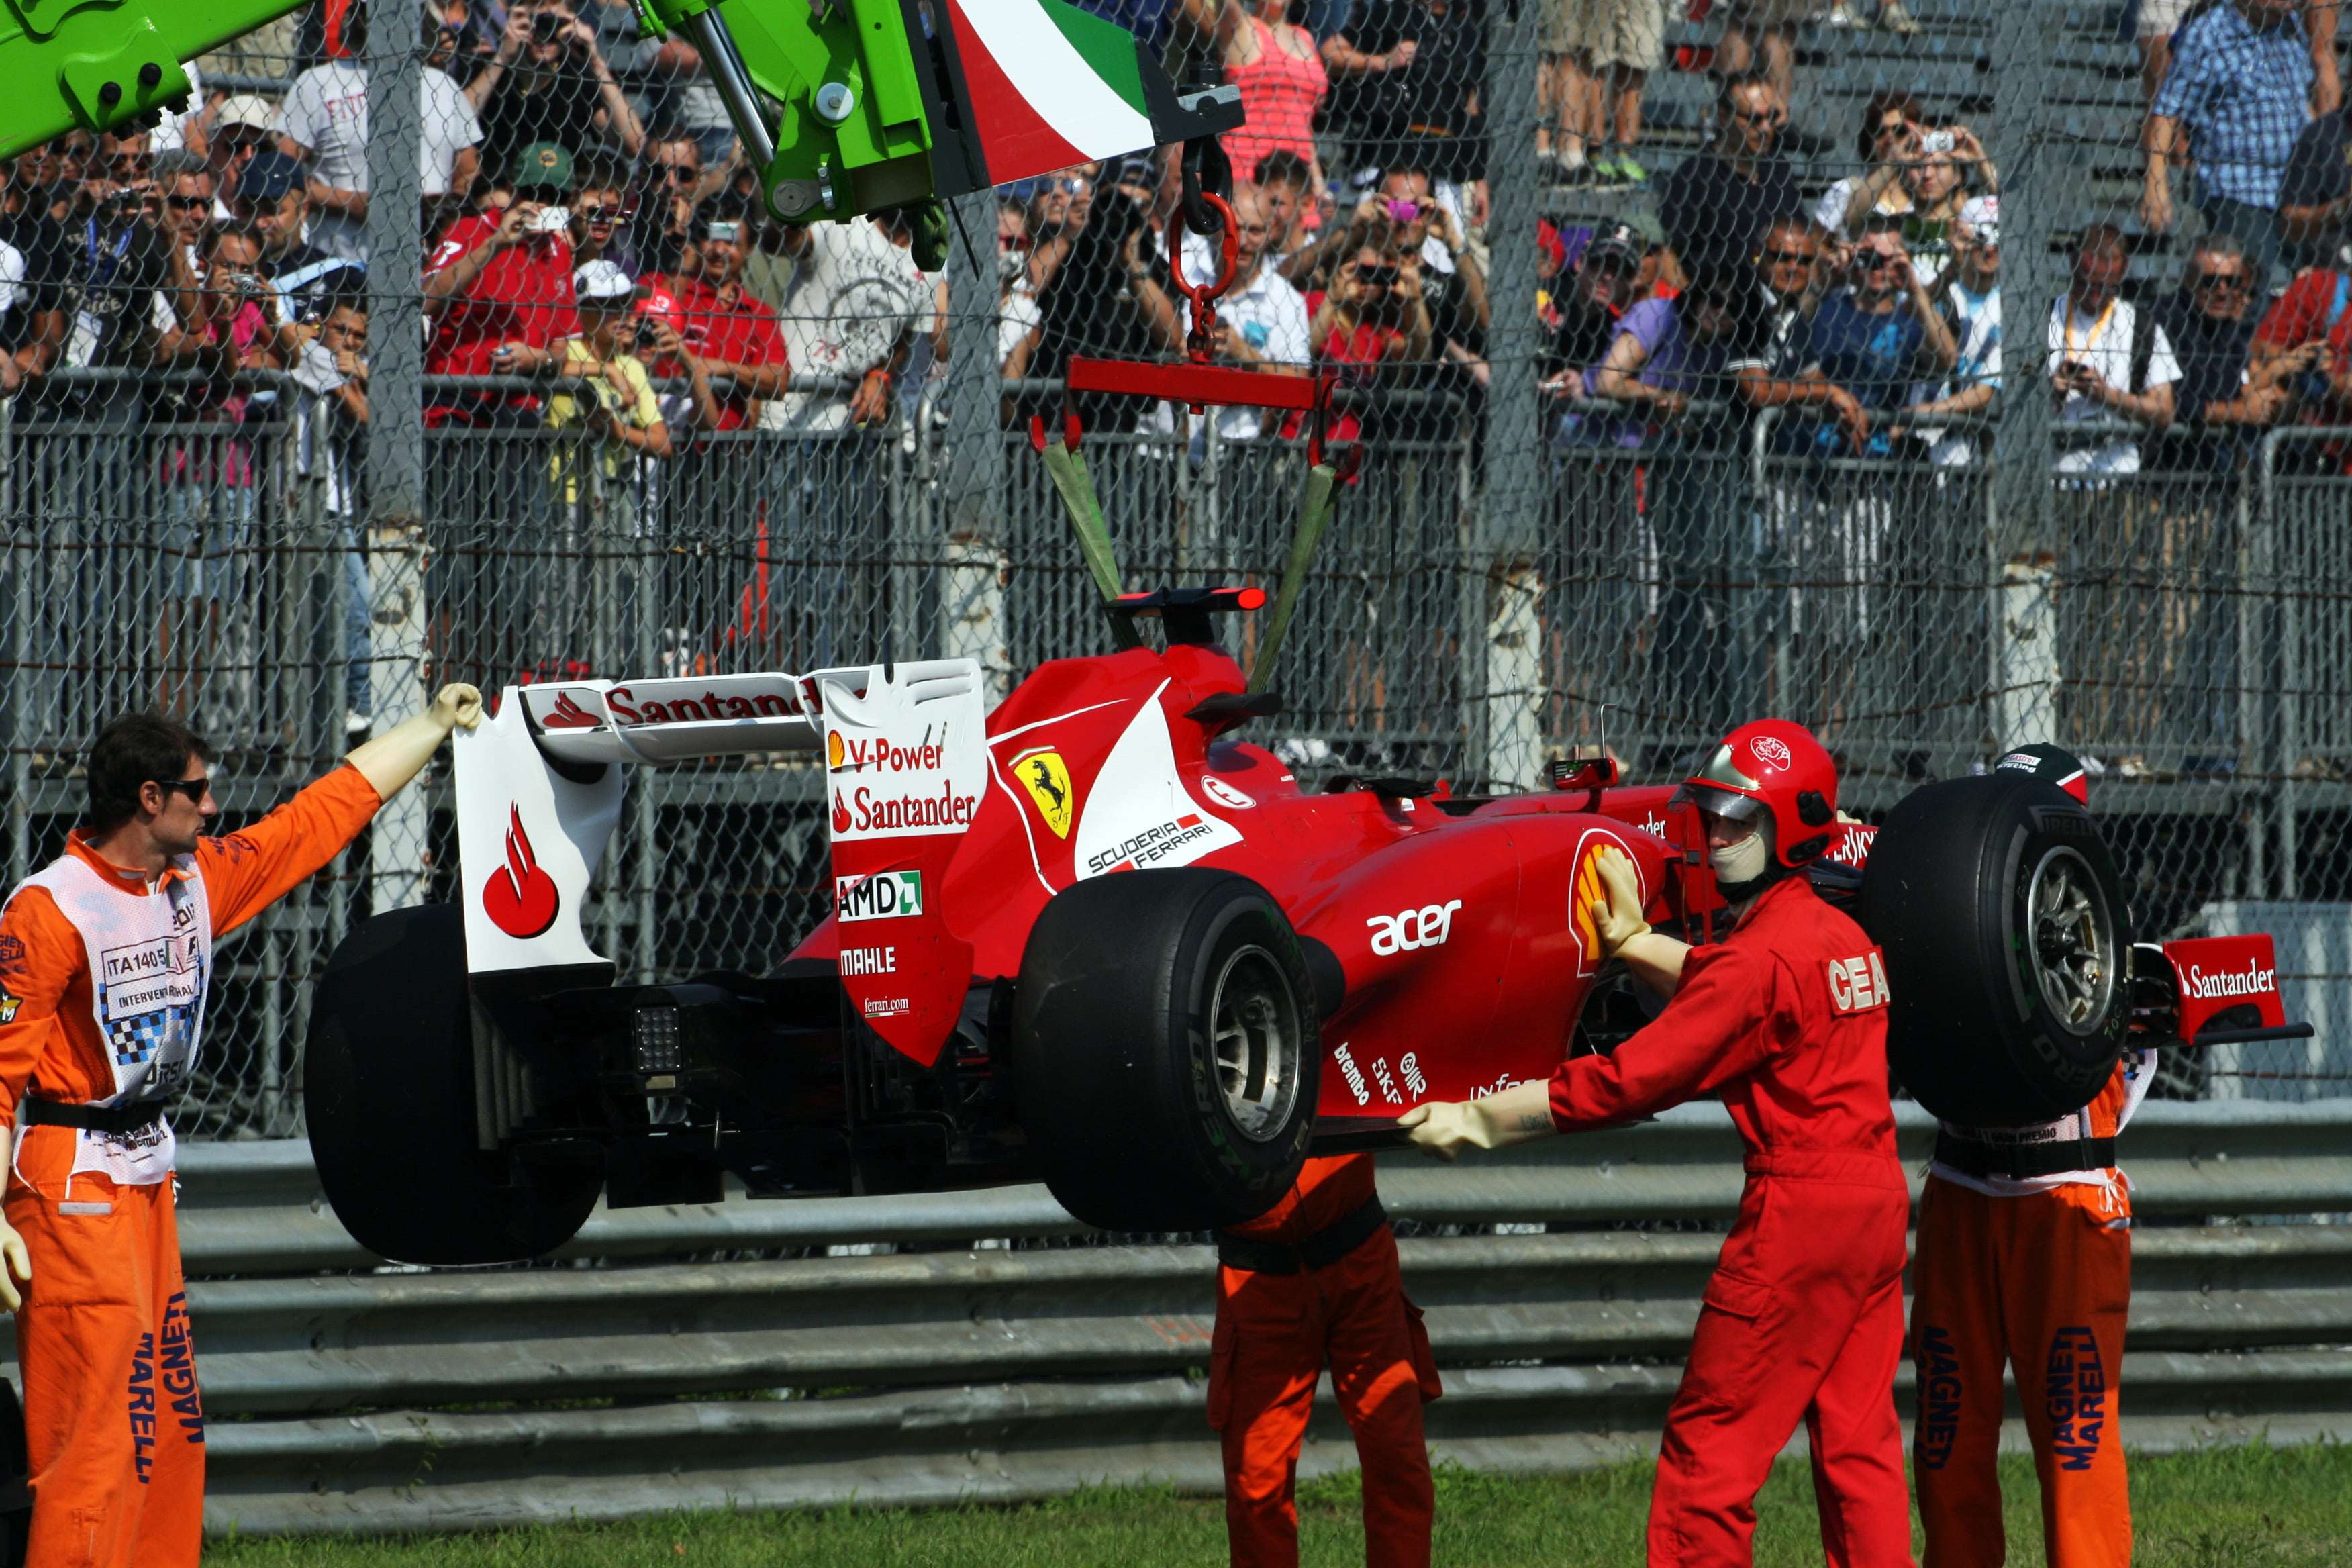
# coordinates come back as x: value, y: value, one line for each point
x: 1314, y: 1280
x: 2024, y: 1256
x: 106, y: 958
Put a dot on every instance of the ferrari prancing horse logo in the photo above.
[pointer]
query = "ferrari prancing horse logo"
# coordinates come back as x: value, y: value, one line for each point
x: 1048, y: 779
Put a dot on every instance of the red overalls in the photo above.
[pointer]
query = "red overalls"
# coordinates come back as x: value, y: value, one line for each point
x: 1802, y: 1319
x: 1274, y: 1332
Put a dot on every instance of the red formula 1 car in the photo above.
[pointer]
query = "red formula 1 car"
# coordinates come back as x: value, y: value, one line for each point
x: 1092, y: 938
x: 1097, y: 938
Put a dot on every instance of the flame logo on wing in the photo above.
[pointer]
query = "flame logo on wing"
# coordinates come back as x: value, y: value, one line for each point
x: 568, y: 715
x: 520, y: 898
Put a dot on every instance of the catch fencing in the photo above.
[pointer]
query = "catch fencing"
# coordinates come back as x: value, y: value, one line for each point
x: 194, y: 515
x: 929, y: 1348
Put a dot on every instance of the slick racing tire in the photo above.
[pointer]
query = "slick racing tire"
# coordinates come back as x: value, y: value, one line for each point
x: 388, y: 1085
x: 2008, y: 955
x: 1166, y: 1056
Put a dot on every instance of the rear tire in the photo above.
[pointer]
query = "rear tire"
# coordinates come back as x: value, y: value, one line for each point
x: 388, y: 1088
x: 2008, y: 952
x: 1165, y: 1050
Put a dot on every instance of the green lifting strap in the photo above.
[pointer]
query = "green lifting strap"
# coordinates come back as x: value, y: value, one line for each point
x: 1077, y: 488
x: 1322, y: 500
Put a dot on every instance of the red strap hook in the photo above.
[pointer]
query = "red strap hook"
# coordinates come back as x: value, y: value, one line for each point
x: 1199, y: 342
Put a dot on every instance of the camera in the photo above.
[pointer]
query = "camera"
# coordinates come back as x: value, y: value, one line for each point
x: 545, y: 28
x: 1938, y: 142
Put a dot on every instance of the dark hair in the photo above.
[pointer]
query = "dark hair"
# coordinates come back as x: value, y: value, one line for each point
x: 1738, y: 82
x: 1881, y: 104
x: 241, y: 229
x: 1883, y: 223
x: 128, y: 753
x: 354, y: 31
x: 2102, y: 237
x: 1803, y: 223
x: 1281, y: 167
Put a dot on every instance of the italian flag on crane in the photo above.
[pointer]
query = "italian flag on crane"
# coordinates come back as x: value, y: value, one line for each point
x: 1049, y: 86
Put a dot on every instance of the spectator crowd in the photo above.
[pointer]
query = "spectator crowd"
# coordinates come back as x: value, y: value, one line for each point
x: 589, y: 219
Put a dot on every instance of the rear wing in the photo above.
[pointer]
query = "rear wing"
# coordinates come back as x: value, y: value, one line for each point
x: 904, y: 751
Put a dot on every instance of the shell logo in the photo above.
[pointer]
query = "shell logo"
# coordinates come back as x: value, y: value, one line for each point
x: 1586, y: 889
x: 1772, y: 751
x: 834, y: 754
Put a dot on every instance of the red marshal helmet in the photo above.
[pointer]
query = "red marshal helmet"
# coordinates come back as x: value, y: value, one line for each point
x: 1776, y: 766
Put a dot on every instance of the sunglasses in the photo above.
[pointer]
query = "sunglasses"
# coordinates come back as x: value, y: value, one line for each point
x: 194, y: 789
x: 1873, y: 260
x: 1768, y: 117
x: 601, y: 215
x: 188, y: 204
x: 675, y: 172
x: 1790, y: 257
x: 2219, y: 281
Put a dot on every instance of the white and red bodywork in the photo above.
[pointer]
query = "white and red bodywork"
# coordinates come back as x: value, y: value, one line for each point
x: 1461, y: 930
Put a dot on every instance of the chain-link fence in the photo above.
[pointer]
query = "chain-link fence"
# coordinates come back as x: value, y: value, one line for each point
x: 455, y: 345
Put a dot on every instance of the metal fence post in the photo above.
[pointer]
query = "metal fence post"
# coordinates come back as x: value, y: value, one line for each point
x: 1506, y: 540
x: 969, y: 469
x: 396, y: 855
x: 22, y: 557
x: 2021, y: 444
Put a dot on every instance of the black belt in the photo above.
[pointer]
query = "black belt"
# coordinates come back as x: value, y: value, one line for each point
x: 127, y: 1117
x: 1321, y: 1250
x: 2022, y: 1161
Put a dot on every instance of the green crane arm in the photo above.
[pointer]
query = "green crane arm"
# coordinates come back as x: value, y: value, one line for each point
x: 844, y: 105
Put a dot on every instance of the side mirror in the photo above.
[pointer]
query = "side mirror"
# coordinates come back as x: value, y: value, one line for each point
x: 1590, y: 773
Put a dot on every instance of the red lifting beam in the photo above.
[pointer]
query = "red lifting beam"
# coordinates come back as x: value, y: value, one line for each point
x: 1201, y: 385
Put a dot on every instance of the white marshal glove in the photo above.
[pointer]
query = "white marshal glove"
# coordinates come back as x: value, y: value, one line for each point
x: 15, y: 1267
x: 1442, y: 1128
x: 1656, y: 960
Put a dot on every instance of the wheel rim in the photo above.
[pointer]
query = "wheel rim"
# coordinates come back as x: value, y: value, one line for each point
x: 1253, y: 1036
x: 2072, y: 940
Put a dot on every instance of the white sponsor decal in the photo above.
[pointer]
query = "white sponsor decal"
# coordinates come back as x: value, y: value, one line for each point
x: 1352, y: 1073
x: 887, y: 1006
x: 1410, y: 1065
x: 2252, y: 980
x: 1771, y: 749
x: 1497, y: 1087
x: 1387, y: 1081
x: 1427, y: 926
x: 869, y: 961
x: 1858, y: 985
x: 1137, y: 812
x: 904, y: 748
x: 882, y: 896
x: 1224, y: 793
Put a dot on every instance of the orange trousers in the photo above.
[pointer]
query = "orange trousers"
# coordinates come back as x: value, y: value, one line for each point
x: 2042, y: 1282
x: 112, y: 1419
x: 1274, y: 1332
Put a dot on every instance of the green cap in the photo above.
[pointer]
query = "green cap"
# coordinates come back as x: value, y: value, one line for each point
x: 543, y: 164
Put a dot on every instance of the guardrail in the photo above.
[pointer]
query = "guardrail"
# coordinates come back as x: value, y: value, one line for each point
x: 972, y: 1356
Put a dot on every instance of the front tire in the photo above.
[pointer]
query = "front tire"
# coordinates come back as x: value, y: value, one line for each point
x: 2007, y: 946
x: 1165, y: 1050
x: 388, y: 1090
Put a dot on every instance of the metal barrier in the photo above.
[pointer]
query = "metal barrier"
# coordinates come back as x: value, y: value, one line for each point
x: 968, y: 1350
